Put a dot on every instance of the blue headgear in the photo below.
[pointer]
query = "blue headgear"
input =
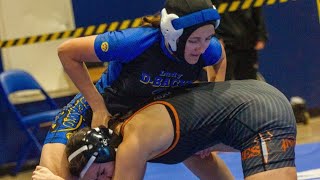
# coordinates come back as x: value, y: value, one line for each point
x: 99, y: 145
x: 194, y: 12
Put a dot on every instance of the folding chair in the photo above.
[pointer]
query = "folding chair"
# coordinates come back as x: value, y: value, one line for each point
x: 12, y: 81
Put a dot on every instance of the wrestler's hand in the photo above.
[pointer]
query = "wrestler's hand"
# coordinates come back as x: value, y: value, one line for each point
x: 100, y: 118
x: 259, y: 45
x: 43, y: 173
x: 204, y: 153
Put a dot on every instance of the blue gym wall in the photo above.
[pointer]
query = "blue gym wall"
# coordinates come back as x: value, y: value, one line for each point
x: 102, y: 11
x: 290, y: 60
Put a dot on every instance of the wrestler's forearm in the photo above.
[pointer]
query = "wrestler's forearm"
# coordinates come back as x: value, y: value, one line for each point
x: 221, y: 68
x: 79, y: 75
x: 73, y: 54
x: 130, y: 163
x: 220, y: 76
x: 54, y: 158
x: 211, y: 74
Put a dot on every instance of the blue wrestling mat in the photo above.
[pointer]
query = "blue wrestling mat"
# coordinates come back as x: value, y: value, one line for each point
x: 307, y: 162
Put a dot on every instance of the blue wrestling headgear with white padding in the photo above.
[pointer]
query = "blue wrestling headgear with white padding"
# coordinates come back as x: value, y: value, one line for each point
x: 179, y: 15
x: 99, y: 145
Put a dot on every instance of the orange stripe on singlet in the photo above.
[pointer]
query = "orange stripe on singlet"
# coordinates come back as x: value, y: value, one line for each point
x: 177, y: 125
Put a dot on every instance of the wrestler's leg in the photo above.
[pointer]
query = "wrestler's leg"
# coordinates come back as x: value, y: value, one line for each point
x: 264, y: 129
x: 286, y: 173
x: 259, y: 116
x: 210, y: 167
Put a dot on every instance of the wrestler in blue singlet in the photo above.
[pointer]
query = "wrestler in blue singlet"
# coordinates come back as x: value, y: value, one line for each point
x: 139, y: 66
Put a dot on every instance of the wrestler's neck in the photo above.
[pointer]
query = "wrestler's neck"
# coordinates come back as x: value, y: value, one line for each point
x: 117, y: 127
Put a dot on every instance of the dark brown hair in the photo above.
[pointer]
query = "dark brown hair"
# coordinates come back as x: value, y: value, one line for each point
x: 77, y: 164
x: 151, y: 21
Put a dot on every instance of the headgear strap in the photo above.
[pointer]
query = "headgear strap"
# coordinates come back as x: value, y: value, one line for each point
x: 172, y: 25
x: 99, y: 146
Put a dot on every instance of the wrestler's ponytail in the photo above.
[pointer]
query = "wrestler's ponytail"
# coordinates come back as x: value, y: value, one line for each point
x: 151, y: 21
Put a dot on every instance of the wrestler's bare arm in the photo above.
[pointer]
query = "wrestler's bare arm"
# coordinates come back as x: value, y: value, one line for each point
x: 43, y: 173
x: 146, y: 135
x: 53, y: 157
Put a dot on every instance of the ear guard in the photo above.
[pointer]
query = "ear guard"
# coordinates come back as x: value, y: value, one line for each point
x: 99, y: 146
x: 172, y: 25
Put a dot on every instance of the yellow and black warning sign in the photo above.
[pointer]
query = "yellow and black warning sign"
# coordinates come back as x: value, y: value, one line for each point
x: 98, y: 29
x: 318, y: 7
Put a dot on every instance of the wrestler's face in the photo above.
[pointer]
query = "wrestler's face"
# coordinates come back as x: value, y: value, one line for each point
x: 197, y: 43
x: 100, y: 171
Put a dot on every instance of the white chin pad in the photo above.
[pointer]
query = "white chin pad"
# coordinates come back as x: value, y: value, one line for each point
x: 170, y: 34
x: 217, y: 21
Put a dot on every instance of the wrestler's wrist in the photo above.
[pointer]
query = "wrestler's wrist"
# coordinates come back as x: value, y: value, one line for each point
x: 97, y: 104
x: 55, y: 177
